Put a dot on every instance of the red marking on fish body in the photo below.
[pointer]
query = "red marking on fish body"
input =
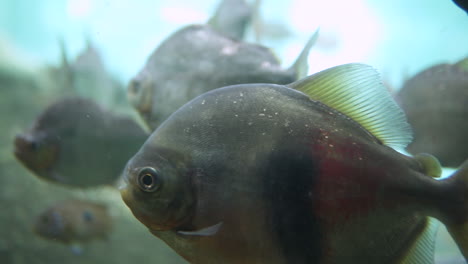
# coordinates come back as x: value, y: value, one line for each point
x: 345, y: 187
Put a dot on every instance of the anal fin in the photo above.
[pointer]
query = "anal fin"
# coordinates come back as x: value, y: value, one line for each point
x: 422, y: 250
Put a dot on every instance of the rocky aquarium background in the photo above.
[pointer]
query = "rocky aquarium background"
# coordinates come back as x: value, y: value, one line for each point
x: 37, y: 38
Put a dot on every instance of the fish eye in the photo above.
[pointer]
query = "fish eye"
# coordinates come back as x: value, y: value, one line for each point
x: 88, y: 216
x: 134, y: 87
x: 148, y: 179
x: 34, y: 145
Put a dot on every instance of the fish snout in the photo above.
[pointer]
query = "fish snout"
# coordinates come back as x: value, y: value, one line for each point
x: 34, y: 153
x: 24, y: 144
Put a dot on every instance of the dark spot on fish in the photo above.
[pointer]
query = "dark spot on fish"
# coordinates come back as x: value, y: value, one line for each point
x: 88, y: 216
x: 33, y: 145
x: 148, y: 179
x: 134, y: 87
x: 289, y: 178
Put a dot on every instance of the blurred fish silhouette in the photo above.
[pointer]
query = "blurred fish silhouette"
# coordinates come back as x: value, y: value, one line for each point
x: 77, y: 143
x: 436, y: 103
x: 273, y: 30
x: 86, y: 76
x: 74, y: 222
x: 298, y: 173
x: 231, y: 18
x: 196, y: 59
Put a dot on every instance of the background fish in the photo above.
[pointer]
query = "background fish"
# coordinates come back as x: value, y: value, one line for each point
x: 262, y: 173
x: 76, y: 142
x: 231, y: 18
x: 436, y: 103
x: 196, y: 59
x: 73, y: 222
x: 85, y: 76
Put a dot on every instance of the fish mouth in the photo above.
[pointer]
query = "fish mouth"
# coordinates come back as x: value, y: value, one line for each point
x: 148, y: 218
x: 23, y: 145
x: 33, y: 156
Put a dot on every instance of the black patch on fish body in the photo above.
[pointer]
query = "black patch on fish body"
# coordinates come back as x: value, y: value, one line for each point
x: 288, y: 181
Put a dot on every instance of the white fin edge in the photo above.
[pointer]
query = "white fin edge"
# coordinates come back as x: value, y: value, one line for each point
x: 207, y: 231
x: 356, y: 90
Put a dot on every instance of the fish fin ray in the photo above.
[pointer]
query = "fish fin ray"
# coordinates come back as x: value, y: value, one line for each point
x: 214, y: 20
x: 422, y: 250
x: 356, y: 90
x: 301, y: 66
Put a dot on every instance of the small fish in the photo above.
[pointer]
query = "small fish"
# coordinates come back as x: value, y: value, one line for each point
x: 436, y: 103
x: 75, y: 142
x: 196, y: 59
x: 298, y: 173
x: 74, y: 222
x: 231, y: 18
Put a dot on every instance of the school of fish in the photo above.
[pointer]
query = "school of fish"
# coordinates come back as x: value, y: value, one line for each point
x: 239, y: 160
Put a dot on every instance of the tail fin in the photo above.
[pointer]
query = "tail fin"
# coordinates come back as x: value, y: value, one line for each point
x: 458, y: 228
x: 300, y: 66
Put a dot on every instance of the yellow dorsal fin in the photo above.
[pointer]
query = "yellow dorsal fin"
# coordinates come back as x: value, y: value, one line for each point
x: 356, y: 90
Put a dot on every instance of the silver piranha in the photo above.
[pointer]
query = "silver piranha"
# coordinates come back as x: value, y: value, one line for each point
x: 76, y: 142
x: 298, y: 173
x: 196, y: 59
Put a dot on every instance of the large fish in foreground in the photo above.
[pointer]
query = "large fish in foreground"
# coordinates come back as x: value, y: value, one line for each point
x: 76, y: 142
x: 196, y: 59
x: 436, y: 103
x: 298, y: 173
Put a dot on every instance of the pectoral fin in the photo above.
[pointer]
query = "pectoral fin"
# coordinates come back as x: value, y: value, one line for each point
x: 207, y: 231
